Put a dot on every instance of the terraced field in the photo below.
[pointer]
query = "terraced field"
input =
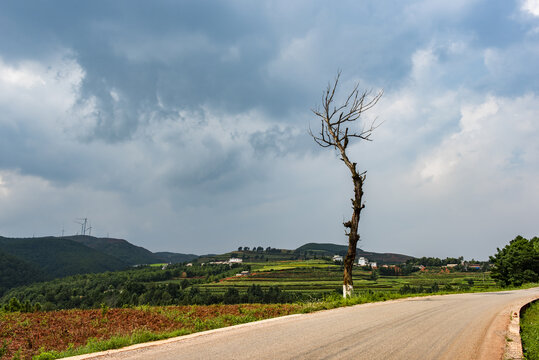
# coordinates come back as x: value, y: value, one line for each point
x: 318, y: 277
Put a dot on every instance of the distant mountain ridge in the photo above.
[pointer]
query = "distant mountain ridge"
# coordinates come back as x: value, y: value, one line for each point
x: 327, y: 249
x: 170, y: 257
x: 129, y: 253
x: 304, y: 252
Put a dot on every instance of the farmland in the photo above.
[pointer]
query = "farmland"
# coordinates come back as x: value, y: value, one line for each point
x: 318, y: 277
x: 308, y: 285
x: 264, y: 282
x: 70, y: 332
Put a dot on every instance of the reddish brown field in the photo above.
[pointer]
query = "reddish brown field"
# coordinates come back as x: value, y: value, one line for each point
x: 28, y: 334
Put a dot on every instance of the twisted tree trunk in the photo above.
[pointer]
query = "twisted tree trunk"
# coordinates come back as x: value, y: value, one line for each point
x: 353, y: 233
x: 334, y: 133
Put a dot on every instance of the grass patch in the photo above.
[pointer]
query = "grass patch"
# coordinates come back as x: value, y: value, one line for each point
x: 529, y: 332
x: 115, y: 342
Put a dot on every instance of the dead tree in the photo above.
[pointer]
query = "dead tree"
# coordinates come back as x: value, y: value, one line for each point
x: 335, y: 132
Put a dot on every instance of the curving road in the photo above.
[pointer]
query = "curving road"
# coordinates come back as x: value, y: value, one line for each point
x: 463, y: 326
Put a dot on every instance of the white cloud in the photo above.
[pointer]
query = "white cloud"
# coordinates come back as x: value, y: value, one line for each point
x: 39, y: 93
x: 490, y: 135
x: 26, y: 75
x: 430, y: 11
x: 531, y: 6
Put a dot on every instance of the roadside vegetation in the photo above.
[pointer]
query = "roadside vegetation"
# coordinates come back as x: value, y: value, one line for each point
x: 117, y: 309
x: 517, y: 263
x: 529, y: 332
x: 94, y: 312
x: 56, y: 334
x: 261, y: 282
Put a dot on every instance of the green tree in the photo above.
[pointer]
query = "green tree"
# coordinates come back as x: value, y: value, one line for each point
x: 255, y: 294
x: 232, y: 296
x: 374, y: 275
x: 517, y: 263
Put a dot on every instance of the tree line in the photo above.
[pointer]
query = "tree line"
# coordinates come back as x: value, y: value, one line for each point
x: 141, y: 286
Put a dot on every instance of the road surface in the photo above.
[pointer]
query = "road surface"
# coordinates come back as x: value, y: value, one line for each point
x: 462, y: 326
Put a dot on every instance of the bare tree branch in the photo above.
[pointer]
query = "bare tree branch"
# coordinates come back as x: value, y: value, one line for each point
x: 332, y: 118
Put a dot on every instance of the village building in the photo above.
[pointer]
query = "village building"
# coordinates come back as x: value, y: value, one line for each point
x: 362, y: 261
x: 219, y: 262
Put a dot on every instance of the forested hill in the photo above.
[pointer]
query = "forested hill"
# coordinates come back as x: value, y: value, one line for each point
x: 27, y: 260
x: 305, y: 252
x: 16, y: 272
x: 121, y: 249
x: 58, y: 257
x: 334, y: 249
x: 174, y: 258
x: 129, y: 253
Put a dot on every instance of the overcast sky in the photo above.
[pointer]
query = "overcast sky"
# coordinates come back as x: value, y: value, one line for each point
x: 183, y: 125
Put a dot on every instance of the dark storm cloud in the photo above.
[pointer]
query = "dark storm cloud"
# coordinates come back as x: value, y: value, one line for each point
x: 177, y: 111
x: 168, y: 53
x: 175, y: 55
x: 183, y: 55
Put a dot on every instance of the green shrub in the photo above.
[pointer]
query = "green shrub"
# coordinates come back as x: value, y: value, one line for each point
x: 529, y: 331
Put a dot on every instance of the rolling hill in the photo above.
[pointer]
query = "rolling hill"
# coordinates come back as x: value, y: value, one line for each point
x: 27, y: 260
x: 304, y: 252
x: 334, y: 249
x: 121, y: 249
x: 59, y: 257
x: 170, y: 257
x: 129, y: 253
x: 16, y: 272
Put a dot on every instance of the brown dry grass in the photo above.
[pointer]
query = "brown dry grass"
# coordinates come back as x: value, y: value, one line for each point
x: 28, y: 334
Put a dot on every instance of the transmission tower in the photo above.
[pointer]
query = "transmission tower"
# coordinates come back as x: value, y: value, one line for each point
x: 83, y: 222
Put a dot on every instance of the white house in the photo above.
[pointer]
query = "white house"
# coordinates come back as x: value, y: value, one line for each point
x: 235, y: 261
x: 362, y: 261
x: 337, y: 258
x: 244, y: 273
x: 373, y: 264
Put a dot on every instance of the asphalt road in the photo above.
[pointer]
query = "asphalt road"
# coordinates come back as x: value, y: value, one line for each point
x: 463, y: 326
